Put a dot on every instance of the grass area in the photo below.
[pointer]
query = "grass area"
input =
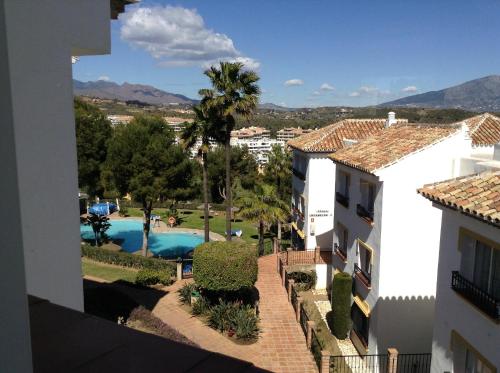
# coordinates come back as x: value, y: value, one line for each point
x: 108, y: 272
x: 194, y: 219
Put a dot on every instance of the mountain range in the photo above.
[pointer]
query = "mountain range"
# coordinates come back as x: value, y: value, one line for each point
x: 129, y: 92
x: 481, y: 94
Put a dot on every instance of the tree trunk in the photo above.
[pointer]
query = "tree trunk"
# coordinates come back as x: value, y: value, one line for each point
x: 229, y: 202
x: 205, y: 196
x: 278, y: 185
x: 147, y: 207
x: 279, y: 230
x: 261, y: 237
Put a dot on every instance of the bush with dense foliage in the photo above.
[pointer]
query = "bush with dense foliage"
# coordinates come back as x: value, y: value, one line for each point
x: 201, y: 306
x: 147, y: 276
x: 234, y: 317
x: 225, y: 266
x: 127, y: 260
x: 304, y: 280
x: 340, y: 318
x: 185, y: 292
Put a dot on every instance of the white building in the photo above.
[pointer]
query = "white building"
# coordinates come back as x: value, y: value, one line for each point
x: 466, y: 334
x: 250, y: 133
x: 388, y: 236
x: 289, y: 133
x: 177, y: 124
x: 313, y: 178
x: 260, y: 149
x: 119, y: 119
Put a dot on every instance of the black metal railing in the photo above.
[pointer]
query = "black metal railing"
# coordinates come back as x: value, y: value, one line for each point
x: 298, y: 174
x: 341, y: 252
x: 364, y: 213
x: 294, y: 298
x: 342, y: 199
x: 303, y: 320
x: 362, y: 275
x: 316, y: 348
x: 414, y: 363
x: 484, y: 301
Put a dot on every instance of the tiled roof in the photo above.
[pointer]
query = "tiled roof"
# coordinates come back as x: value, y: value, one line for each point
x: 331, y: 138
x: 484, y: 129
x: 392, y: 144
x: 475, y: 195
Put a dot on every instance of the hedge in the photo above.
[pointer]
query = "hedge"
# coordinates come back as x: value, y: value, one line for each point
x: 225, y: 266
x: 147, y: 276
x: 340, y: 320
x: 127, y: 260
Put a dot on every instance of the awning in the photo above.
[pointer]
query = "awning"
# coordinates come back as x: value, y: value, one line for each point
x: 301, y: 234
x: 294, y: 226
x: 363, y: 305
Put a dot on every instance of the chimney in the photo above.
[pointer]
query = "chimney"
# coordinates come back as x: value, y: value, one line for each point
x: 391, y: 119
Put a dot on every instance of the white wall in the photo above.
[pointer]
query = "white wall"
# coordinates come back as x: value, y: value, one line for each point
x: 41, y: 37
x: 452, y: 312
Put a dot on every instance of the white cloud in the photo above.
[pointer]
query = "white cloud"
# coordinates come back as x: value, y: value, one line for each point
x: 104, y: 77
x: 316, y: 93
x: 367, y: 89
x: 293, y: 82
x: 354, y: 94
x: 326, y: 87
x: 409, y: 89
x: 248, y: 63
x: 178, y: 36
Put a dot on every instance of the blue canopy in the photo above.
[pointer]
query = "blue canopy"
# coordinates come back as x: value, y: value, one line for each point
x: 102, y: 209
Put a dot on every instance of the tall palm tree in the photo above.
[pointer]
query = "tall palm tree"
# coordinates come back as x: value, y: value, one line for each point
x: 234, y: 92
x: 265, y: 207
x: 278, y: 169
x: 201, y: 131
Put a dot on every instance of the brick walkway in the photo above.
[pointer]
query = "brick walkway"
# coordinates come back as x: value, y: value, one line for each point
x: 281, y: 346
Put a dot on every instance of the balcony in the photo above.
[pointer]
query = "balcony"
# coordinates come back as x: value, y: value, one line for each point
x: 364, y: 214
x: 298, y: 174
x: 481, y: 299
x: 363, y: 276
x: 343, y: 200
x: 341, y: 252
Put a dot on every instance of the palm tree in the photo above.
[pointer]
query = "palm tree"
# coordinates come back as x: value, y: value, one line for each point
x: 202, y: 130
x: 265, y: 207
x: 234, y: 92
x: 279, y: 169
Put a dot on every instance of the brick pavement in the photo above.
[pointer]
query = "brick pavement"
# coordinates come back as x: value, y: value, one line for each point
x: 281, y: 346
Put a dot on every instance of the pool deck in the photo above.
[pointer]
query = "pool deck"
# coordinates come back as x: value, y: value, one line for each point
x: 164, y: 228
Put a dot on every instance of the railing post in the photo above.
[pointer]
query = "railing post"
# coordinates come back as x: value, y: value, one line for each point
x: 283, y: 276
x: 317, y: 254
x: 289, y: 290
x: 297, y: 310
x: 392, y: 360
x: 275, y: 245
x: 287, y: 255
x: 179, y: 270
x: 278, y: 263
x: 325, y: 362
x: 310, y: 326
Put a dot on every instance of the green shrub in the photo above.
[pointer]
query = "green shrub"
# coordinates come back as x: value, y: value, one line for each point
x: 201, y: 306
x: 225, y: 266
x: 221, y: 316
x: 123, y: 211
x: 185, y: 292
x: 340, y: 319
x: 245, y: 323
x: 146, y: 277
x: 304, y: 280
x: 127, y: 260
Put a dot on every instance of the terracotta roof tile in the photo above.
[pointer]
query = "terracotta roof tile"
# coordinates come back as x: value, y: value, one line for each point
x: 331, y: 138
x: 484, y: 129
x: 481, y: 201
x: 392, y: 144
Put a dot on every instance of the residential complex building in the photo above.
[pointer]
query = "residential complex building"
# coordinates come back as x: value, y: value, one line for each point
x: 119, y: 119
x: 313, y: 181
x: 260, y: 149
x: 466, y: 335
x: 289, y: 133
x: 177, y: 124
x: 250, y: 133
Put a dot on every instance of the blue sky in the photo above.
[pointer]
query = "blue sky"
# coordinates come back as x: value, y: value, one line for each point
x: 361, y: 52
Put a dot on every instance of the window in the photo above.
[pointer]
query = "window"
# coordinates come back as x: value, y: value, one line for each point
x: 342, y: 193
x: 473, y: 364
x: 363, y: 269
x: 360, y: 324
x: 366, y: 208
x: 466, y: 358
x: 343, y: 236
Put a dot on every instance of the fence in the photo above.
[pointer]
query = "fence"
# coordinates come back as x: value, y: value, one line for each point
x: 293, y: 257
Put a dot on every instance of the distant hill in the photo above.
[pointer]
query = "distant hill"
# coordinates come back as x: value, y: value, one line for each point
x: 128, y: 92
x: 476, y: 95
x: 271, y: 106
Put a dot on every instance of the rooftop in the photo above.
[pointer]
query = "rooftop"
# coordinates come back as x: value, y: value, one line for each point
x: 475, y: 195
x: 331, y: 138
x: 392, y: 144
x: 484, y: 129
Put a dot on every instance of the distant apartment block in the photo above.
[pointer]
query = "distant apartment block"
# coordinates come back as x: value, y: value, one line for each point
x: 258, y: 148
x: 289, y: 133
x: 466, y: 335
x: 177, y: 124
x: 250, y: 133
x: 119, y: 119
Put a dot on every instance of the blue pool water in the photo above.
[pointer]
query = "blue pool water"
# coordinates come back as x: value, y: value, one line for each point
x: 129, y: 235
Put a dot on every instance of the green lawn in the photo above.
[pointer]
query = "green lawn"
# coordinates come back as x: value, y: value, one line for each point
x: 107, y: 272
x: 194, y: 219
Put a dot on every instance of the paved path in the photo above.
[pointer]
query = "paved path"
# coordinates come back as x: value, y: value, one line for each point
x: 281, y: 346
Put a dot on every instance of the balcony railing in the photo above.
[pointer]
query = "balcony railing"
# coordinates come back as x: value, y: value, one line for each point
x: 364, y: 213
x: 341, y: 252
x: 481, y: 299
x: 363, y: 276
x: 343, y: 200
x: 298, y: 174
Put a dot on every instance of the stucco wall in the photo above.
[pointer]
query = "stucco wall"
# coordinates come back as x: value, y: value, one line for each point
x: 452, y: 312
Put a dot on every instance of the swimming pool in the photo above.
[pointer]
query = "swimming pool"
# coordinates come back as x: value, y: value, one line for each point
x: 128, y: 234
